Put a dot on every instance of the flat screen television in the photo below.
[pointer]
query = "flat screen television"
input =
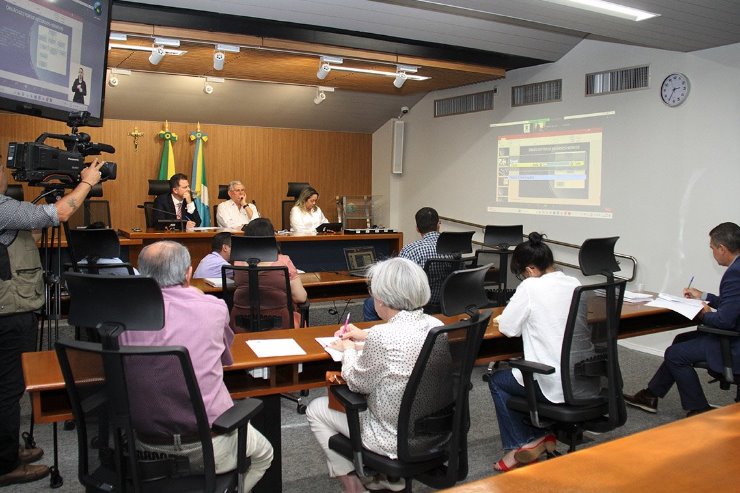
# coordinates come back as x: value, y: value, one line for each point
x: 53, y: 57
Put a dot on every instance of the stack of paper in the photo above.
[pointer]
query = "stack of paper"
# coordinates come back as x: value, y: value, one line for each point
x: 326, y: 342
x: 685, y: 306
x: 216, y: 281
x: 267, y: 348
x: 629, y: 296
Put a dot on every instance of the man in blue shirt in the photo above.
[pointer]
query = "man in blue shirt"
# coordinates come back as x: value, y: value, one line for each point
x: 210, y: 265
x: 419, y: 251
x: 691, y: 347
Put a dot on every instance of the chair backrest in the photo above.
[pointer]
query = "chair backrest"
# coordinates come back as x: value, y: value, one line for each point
x: 87, y: 246
x: 149, y: 214
x: 158, y: 187
x: 503, y: 236
x: 260, y: 299
x: 455, y: 243
x: 433, y: 419
x: 263, y: 248
x: 223, y: 192
x: 287, y: 206
x: 463, y: 291
x: 437, y: 270
x: 92, y: 211
x: 121, y: 398
x: 589, y: 360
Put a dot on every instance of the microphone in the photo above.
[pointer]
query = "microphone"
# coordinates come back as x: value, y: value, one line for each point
x: 142, y: 206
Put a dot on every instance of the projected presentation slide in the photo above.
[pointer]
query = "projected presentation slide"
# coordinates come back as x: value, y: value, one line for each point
x: 548, y: 170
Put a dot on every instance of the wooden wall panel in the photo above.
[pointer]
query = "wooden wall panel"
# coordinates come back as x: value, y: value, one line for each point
x: 264, y: 159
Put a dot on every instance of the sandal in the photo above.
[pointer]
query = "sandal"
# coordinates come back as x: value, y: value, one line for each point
x: 530, y: 453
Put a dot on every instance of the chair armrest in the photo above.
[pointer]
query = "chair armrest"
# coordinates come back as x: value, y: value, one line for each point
x: 720, y: 332
x: 531, y: 367
x: 349, y: 399
x: 237, y: 416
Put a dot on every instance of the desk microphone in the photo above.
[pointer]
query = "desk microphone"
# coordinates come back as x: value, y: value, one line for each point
x: 142, y: 206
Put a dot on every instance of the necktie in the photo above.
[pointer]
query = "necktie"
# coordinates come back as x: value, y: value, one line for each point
x: 178, y: 209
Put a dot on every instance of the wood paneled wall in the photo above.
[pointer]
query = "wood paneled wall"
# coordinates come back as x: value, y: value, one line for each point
x: 264, y: 159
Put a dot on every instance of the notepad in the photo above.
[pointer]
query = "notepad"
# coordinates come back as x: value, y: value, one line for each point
x: 216, y: 281
x: 326, y: 342
x: 269, y: 348
x: 685, y: 306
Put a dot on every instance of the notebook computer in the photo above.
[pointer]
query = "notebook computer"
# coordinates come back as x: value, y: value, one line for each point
x: 359, y: 260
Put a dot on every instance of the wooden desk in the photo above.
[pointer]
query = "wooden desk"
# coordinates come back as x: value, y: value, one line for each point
x: 315, y: 253
x: 320, y: 286
x: 697, y: 454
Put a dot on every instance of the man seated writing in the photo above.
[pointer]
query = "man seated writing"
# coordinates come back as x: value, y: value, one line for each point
x: 691, y: 347
x: 200, y: 323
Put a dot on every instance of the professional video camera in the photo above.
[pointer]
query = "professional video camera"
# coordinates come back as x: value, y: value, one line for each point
x: 35, y: 162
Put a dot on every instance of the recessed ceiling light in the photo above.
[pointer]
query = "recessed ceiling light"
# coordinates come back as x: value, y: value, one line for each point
x: 608, y: 8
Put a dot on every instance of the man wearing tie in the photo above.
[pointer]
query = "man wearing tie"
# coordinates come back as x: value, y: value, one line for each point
x: 178, y: 204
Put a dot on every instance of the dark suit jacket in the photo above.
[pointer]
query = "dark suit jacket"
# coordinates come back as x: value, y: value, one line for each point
x: 164, y: 203
x: 726, y: 317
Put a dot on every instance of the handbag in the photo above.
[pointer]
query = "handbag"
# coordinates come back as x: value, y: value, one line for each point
x: 334, y: 378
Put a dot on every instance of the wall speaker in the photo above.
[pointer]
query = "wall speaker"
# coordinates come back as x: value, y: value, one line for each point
x: 397, y: 158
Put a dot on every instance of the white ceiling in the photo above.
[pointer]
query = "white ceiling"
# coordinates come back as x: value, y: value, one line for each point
x: 525, y: 28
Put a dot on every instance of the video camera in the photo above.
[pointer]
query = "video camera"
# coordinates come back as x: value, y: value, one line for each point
x: 34, y: 162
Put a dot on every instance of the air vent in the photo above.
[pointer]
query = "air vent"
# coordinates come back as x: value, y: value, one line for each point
x: 468, y: 103
x: 539, y: 92
x: 618, y: 80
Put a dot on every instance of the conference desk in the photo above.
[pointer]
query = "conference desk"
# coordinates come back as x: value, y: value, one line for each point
x: 697, y: 454
x: 311, y: 253
x: 320, y: 286
x: 45, y: 384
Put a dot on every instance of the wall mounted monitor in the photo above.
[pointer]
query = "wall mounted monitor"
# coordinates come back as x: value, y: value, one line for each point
x: 53, y: 57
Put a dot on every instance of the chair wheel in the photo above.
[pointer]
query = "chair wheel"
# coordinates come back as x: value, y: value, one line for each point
x: 69, y: 425
x: 301, y: 409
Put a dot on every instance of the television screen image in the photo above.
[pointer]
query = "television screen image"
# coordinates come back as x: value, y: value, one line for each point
x: 53, y: 57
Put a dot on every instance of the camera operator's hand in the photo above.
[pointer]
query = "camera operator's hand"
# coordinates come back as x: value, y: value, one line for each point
x: 89, y: 177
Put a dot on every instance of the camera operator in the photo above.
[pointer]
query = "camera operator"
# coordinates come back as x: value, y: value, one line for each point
x: 21, y: 293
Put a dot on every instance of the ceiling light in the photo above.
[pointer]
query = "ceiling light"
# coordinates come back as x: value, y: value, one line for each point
x: 157, y: 55
x: 113, y: 79
x: 608, y: 8
x: 400, y: 79
x: 167, y: 51
x: 321, y: 94
x: 325, y: 68
x: 175, y: 43
x: 207, y: 88
x: 118, y: 37
x: 218, y: 60
x: 401, y: 68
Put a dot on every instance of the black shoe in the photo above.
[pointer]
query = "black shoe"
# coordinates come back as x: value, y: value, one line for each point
x: 643, y: 400
x: 694, y: 412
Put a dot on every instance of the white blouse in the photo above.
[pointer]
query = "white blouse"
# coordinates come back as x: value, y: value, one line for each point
x: 538, y: 312
x: 306, y: 222
x: 382, y: 371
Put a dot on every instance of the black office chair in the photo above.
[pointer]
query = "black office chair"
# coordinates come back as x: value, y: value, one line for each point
x: 450, y: 248
x: 726, y: 377
x: 123, y: 397
x: 434, y: 419
x: 223, y: 194
x: 589, y: 364
x: 294, y: 190
x: 498, y: 245
x: 88, y: 246
x: 463, y: 289
x: 92, y: 211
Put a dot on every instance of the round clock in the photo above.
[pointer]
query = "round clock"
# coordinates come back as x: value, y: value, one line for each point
x: 675, y: 89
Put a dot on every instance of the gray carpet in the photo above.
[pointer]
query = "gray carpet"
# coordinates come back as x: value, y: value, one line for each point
x: 304, y: 469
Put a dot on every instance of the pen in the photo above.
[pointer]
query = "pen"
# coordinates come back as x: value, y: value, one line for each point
x: 346, y: 324
x: 691, y: 281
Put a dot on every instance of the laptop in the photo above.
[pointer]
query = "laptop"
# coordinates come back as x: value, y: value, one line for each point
x: 359, y: 260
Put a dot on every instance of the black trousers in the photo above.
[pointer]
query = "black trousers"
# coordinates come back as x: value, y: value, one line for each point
x: 15, y: 333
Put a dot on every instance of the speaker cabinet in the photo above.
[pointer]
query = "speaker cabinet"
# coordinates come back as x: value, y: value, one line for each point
x: 398, y: 131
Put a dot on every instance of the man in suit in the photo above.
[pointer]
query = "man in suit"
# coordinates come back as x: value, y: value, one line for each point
x: 692, y: 347
x: 178, y: 204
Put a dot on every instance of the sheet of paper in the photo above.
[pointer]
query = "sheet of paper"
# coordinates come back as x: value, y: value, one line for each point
x: 685, y: 306
x: 325, y: 342
x: 268, y: 348
x: 216, y: 281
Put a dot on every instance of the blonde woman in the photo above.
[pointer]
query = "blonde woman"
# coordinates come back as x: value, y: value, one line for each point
x: 306, y: 216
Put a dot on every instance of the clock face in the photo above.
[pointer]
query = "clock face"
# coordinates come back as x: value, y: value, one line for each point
x: 675, y: 89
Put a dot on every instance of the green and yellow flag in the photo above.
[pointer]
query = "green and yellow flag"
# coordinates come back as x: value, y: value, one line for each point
x: 167, y: 163
x: 199, y: 183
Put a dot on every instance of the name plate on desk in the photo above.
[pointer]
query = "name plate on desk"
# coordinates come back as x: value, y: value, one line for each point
x: 367, y: 231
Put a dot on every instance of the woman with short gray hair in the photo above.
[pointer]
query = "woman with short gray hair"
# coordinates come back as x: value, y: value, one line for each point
x: 380, y: 369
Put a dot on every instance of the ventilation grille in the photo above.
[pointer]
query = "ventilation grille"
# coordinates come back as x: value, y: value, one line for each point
x: 468, y: 103
x: 619, y: 80
x: 539, y: 92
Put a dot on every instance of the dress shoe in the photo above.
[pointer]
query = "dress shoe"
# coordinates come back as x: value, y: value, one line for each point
x: 381, y: 482
x: 24, y: 473
x: 694, y: 412
x: 28, y: 455
x: 643, y: 400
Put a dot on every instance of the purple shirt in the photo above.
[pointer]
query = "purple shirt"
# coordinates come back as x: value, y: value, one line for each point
x: 210, y: 266
x: 200, y: 323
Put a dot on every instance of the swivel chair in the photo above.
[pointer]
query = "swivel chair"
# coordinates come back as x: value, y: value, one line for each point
x: 126, y: 397
x: 498, y: 242
x: 434, y: 419
x: 589, y: 363
x: 727, y: 377
x: 88, y: 246
x: 450, y: 248
x: 294, y: 190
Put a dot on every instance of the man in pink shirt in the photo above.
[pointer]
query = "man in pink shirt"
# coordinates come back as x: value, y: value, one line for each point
x: 200, y: 323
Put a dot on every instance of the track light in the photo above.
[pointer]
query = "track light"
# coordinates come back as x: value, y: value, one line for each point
x: 113, y: 79
x: 207, y: 88
x: 325, y: 68
x: 218, y: 60
x: 157, y: 55
x: 208, y: 84
x: 321, y: 94
x: 400, y: 79
x: 402, y: 72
